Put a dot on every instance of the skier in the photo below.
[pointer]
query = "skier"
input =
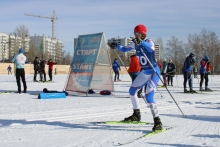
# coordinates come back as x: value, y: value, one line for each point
x: 170, y: 72
x: 20, y: 73
x: 42, y: 71
x: 163, y: 72
x: 204, y: 72
x: 116, y: 68
x: 36, y: 68
x: 9, y: 70
x: 146, y: 77
x: 51, y: 64
x: 187, y: 69
x: 134, y: 70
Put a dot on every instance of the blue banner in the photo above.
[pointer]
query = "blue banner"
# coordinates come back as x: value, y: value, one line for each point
x: 86, y: 53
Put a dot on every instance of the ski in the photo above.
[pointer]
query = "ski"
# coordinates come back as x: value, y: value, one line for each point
x: 146, y: 135
x: 123, y: 122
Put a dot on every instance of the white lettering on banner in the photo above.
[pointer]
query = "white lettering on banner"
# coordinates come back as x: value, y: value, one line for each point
x: 86, y: 52
x: 82, y: 66
x: 142, y: 60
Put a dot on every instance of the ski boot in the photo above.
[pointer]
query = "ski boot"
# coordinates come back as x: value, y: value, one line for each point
x: 136, y: 116
x: 185, y: 90
x: 164, y: 85
x: 157, y: 124
x: 201, y: 89
x: 207, y: 89
x: 192, y: 91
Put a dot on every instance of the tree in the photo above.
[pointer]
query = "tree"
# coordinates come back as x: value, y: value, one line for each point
x: 22, y: 32
x: 175, y: 51
x: 206, y: 43
x: 33, y: 52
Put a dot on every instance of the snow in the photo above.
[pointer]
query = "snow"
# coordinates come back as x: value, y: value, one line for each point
x: 28, y: 121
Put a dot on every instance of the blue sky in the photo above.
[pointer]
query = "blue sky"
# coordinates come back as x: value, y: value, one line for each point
x: 163, y: 18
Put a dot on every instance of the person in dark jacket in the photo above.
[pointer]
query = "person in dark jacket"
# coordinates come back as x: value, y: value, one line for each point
x: 51, y: 64
x: 170, y: 72
x: 42, y: 71
x: 9, y: 70
x: 204, y: 71
x: 187, y: 69
x: 116, y: 68
x: 36, y: 68
x: 134, y: 70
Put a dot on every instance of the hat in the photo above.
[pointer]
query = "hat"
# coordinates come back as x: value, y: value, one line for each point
x: 21, y: 50
x: 191, y: 55
x: 141, y: 29
x: 206, y: 57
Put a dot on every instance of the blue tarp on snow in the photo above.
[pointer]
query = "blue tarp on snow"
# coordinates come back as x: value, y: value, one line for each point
x: 54, y: 95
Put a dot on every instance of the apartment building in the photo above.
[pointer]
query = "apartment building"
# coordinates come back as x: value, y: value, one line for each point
x: 49, y: 47
x: 10, y: 44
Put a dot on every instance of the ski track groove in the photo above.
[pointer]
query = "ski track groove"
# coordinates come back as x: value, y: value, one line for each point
x: 59, y: 118
x: 84, y: 109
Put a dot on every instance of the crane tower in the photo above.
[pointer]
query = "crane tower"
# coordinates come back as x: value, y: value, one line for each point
x: 53, y: 18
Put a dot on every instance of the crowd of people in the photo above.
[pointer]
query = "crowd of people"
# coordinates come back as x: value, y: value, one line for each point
x: 39, y: 68
x: 168, y: 71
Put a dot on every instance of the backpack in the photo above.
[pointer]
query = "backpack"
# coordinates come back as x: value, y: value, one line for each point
x: 105, y: 92
x: 91, y: 91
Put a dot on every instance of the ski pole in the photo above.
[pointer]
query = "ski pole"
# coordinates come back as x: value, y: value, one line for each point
x: 128, y: 73
x: 161, y: 80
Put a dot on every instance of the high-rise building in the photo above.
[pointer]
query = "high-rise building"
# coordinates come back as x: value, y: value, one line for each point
x: 10, y: 44
x: 49, y: 48
x: 125, y: 57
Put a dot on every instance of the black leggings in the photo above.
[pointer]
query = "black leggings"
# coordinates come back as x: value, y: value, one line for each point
x: 20, y: 73
x: 170, y: 79
x: 50, y: 74
x: 204, y: 76
x: 187, y: 76
x: 116, y: 75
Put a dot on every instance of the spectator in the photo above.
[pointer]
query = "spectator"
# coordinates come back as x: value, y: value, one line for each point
x: 9, y: 69
x: 51, y: 64
x: 36, y: 68
x: 170, y: 72
x: 42, y: 71
x: 134, y: 70
x: 116, y: 68
x: 20, y: 73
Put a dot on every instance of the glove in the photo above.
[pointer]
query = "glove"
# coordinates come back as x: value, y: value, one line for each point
x: 137, y: 41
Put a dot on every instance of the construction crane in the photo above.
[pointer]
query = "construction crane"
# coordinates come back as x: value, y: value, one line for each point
x: 53, y: 18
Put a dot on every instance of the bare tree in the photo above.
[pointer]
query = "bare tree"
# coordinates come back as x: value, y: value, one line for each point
x: 22, y: 32
x: 33, y: 52
x: 206, y: 43
x: 175, y: 51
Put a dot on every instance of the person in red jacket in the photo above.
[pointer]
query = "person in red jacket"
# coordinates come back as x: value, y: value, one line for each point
x: 134, y: 69
x: 50, y: 63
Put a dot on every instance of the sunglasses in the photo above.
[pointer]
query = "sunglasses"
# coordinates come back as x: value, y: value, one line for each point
x: 137, y: 33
